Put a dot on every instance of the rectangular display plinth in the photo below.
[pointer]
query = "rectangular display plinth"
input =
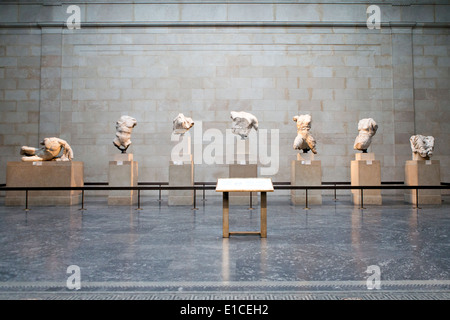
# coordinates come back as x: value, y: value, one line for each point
x: 44, y: 174
x: 423, y: 173
x: 123, y: 157
x: 247, y: 170
x: 122, y: 173
x: 366, y: 171
x: 181, y: 175
x: 306, y: 173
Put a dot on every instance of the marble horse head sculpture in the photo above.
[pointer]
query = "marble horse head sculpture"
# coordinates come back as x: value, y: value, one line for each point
x: 182, y: 124
x: 367, y: 129
x: 124, y: 127
x: 54, y: 149
x: 243, y: 122
x: 422, y: 145
x: 304, y: 140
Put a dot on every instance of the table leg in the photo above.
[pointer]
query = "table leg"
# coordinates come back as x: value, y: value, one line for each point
x: 263, y: 214
x: 226, y: 210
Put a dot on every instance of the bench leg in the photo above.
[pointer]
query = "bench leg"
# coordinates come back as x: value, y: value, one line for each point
x: 226, y: 210
x: 263, y: 214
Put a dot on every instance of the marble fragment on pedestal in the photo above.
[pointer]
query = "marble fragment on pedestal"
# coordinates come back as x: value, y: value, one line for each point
x: 422, y: 171
x: 181, y: 166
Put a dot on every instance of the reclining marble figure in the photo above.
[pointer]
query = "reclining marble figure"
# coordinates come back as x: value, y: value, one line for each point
x: 367, y: 129
x: 182, y: 124
x: 304, y: 140
x: 243, y: 122
x: 52, y: 147
x: 422, y: 145
x: 124, y: 127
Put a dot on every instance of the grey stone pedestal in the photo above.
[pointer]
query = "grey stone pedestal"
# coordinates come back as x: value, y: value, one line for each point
x: 181, y: 175
x: 123, y: 172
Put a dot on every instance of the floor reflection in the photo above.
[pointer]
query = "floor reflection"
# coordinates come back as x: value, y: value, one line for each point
x: 333, y: 242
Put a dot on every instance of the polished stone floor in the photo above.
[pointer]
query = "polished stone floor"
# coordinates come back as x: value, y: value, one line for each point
x: 163, y: 252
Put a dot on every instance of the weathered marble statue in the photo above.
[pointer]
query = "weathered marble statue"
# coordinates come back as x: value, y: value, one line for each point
x: 52, y: 147
x: 422, y: 146
x: 124, y: 127
x: 367, y: 129
x: 304, y: 140
x: 182, y: 124
x: 243, y: 122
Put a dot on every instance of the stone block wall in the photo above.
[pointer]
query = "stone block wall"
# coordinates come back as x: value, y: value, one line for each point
x: 20, y: 82
x: 275, y: 60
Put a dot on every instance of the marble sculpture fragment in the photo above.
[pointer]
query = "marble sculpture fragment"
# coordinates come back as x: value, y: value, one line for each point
x: 422, y: 145
x: 243, y: 122
x: 367, y: 129
x: 54, y: 149
x: 304, y: 140
x: 124, y: 127
x: 182, y: 124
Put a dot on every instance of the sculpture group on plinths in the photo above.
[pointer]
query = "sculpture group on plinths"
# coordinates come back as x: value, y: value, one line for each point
x: 365, y: 169
x: 305, y: 170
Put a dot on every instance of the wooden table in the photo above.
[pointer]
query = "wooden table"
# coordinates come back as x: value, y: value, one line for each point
x: 262, y: 185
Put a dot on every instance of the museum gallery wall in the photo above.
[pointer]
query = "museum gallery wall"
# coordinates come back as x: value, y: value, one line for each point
x: 153, y: 62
